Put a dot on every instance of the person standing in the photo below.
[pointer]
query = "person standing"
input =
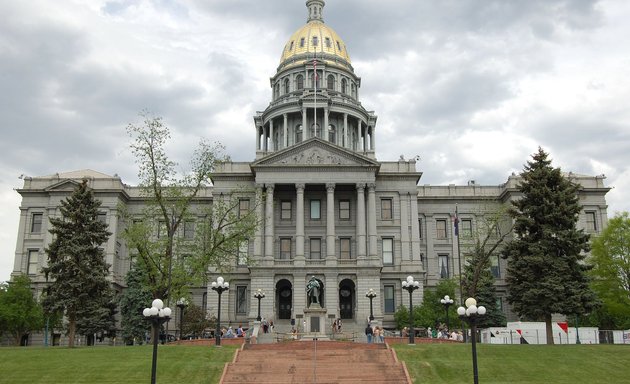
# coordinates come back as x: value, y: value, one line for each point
x: 334, y: 326
x: 368, y: 333
x: 377, y: 335
x: 339, y: 325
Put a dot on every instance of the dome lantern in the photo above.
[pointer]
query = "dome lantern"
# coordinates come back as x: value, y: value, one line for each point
x: 315, y: 8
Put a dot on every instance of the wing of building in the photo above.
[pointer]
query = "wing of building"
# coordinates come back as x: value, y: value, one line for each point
x: 331, y: 209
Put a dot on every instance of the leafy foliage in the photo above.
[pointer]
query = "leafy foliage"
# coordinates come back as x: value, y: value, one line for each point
x: 77, y: 266
x: 195, y: 321
x: 20, y: 313
x: 431, y: 312
x: 611, y: 273
x: 133, y: 300
x: 546, y: 269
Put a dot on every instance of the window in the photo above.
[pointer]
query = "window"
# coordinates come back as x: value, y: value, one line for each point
x: 344, y: 86
x: 443, y: 266
x: 390, y: 304
x: 440, y: 229
x: 302, y: 42
x: 285, y: 248
x: 344, y: 209
x: 291, y: 46
x: 316, y: 249
x: 36, y: 222
x: 386, y: 209
x: 189, y: 230
x: 102, y: 217
x: 315, y: 41
x: 466, y: 228
x: 591, y: 224
x: 388, y: 251
x: 243, y: 208
x: 33, y: 261
x: 298, y: 134
x: 241, y: 299
x: 299, y: 81
x: 494, y: 267
x: 286, y: 86
x: 327, y: 41
x: 316, y: 210
x: 344, y: 248
x: 420, y: 228
x: 243, y: 252
x: 338, y: 45
x: 330, y: 83
x: 285, y: 210
x: 332, y: 134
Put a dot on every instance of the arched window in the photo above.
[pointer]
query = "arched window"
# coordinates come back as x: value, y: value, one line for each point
x: 344, y: 86
x: 298, y: 133
x: 331, y: 82
x: 299, y: 80
x: 286, y: 86
x: 332, y: 134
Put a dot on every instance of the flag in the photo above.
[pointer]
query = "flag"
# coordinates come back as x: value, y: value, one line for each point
x: 456, y: 223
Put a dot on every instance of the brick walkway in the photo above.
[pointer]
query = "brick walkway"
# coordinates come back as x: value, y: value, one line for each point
x: 315, y: 362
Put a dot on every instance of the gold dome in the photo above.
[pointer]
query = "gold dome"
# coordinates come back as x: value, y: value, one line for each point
x: 315, y: 37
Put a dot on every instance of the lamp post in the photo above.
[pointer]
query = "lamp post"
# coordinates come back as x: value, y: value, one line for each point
x: 410, y: 285
x: 181, y: 304
x: 446, y: 302
x: 577, y: 329
x: 472, y: 315
x: 370, y: 294
x: 219, y: 287
x: 157, y: 315
x: 259, y: 295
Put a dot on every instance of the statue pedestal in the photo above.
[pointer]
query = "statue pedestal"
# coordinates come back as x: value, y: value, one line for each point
x: 315, y: 318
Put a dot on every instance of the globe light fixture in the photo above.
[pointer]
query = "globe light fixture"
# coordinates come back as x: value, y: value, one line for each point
x: 219, y: 287
x: 410, y: 285
x: 370, y: 294
x: 472, y: 315
x: 259, y: 295
x: 157, y: 315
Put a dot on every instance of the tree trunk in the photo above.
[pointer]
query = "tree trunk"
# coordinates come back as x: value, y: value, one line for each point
x: 72, y: 325
x: 549, y: 329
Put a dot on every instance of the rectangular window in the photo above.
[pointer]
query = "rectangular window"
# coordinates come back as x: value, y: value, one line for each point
x: 328, y: 43
x: 189, y: 230
x: 241, y: 299
x: 316, y: 249
x: 243, y: 207
x: 33, y: 261
x: 344, y: 248
x: 285, y: 249
x: 302, y: 41
x: 443, y: 266
x: 591, y: 224
x: 388, y: 251
x: 102, y: 217
x: 315, y: 41
x: 316, y: 210
x: 420, y: 228
x: 285, y: 210
x: 494, y: 266
x: 440, y: 229
x: 466, y: 228
x: 36, y: 222
x: 243, y: 252
x: 390, y: 305
x: 386, y: 209
x: 344, y: 209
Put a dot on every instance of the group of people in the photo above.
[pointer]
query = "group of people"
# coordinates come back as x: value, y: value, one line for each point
x: 336, y: 326
x: 443, y: 333
x: 374, y: 334
x: 229, y: 332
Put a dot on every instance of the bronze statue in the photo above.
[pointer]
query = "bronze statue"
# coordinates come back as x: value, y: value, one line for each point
x: 312, y: 289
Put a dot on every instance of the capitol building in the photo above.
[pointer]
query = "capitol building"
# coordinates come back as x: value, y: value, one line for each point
x: 331, y: 209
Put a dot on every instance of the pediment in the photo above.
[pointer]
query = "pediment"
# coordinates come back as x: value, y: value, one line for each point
x: 315, y: 152
x: 63, y: 185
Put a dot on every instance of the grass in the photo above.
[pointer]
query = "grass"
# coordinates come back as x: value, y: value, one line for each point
x: 427, y: 363
x: 517, y: 364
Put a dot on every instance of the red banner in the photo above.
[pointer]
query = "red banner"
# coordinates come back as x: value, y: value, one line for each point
x: 564, y: 326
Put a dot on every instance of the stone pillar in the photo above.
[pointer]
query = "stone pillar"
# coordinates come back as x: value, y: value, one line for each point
x: 404, y: 227
x: 415, y: 227
x: 269, y: 225
x: 325, y: 128
x: 372, y: 140
x: 299, y: 223
x: 361, y: 251
x: 258, y: 146
x: 373, y: 254
x: 345, y: 131
x: 285, y: 131
x: 271, y: 145
x: 305, y: 129
x: 330, y: 223
x: 258, y: 237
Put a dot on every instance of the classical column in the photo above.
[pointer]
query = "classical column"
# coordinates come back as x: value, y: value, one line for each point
x: 285, y: 131
x: 330, y: 221
x: 372, y: 140
x: 325, y: 128
x: 271, y: 146
x: 299, y: 222
x: 361, y: 221
x: 305, y: 129
x: 415, y: 226
x: 258, y: 133
x: 269, y: 225
x: 345, y: 131
x: 258, y: 237
x: 405, y: 227
x: 372, y: 221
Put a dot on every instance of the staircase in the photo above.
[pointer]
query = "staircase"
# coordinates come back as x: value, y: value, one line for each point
x: 315, y: 362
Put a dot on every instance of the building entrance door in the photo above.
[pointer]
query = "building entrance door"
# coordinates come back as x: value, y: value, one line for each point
x: 284, y: 299
x: 346, y: 299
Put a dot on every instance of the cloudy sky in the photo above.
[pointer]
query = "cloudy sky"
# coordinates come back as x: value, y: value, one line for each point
x: 473, y: 87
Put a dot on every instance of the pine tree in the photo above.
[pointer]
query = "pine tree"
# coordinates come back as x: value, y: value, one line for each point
x: 483, y: 291
x: 132, y: 302
x: 546, y: 269
x: 76, y: 265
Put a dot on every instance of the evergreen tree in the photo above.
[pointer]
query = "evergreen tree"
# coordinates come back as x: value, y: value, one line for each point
x: 546, y: 269
x: 20, y: 313
x: 76, y: 265
x: 132, y: 302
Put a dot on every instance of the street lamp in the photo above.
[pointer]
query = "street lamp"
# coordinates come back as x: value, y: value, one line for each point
x: 446, y: 302
x: 259, y: 295
x: 472, y: 315
x: 219, y: 287
x: 370, y: 294
x: 410, y: 285
x: 157, y: 315
x: 181, y: 304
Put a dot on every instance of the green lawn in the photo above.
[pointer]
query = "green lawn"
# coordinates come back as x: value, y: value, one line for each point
x: 427, y: 363
x: 517, y: 364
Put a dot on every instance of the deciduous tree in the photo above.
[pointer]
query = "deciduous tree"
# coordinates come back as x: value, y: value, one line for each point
x: 20, y: 313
